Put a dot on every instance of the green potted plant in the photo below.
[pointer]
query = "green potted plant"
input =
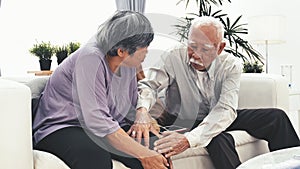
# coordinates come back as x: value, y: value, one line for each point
x: 254, y: 67
x: 44, y: 51
x: 61, y: 53
x: 73, y: 46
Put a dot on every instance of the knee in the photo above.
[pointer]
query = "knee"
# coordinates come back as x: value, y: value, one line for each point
x: 278, y: 117
x: 278, y: 114
x: 221, y: 139
x: 216, y: 140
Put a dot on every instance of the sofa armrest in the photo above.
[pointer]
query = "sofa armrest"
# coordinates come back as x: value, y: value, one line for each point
x: 260, y: 90
x: 15, y: 126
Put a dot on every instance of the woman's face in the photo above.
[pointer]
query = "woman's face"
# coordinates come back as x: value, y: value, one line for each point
x: 136, y: 58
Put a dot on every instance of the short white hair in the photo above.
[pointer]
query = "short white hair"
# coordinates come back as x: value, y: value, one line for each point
x: 206, y: 21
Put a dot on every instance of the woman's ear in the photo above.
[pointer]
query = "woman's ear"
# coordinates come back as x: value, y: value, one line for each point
x: 122, y: 53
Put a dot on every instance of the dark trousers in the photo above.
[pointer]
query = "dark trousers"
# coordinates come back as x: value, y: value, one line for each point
x: 80, y: 150
x: 272, y: 125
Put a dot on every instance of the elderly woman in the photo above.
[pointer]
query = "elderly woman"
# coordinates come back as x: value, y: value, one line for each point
x: 89, y: 101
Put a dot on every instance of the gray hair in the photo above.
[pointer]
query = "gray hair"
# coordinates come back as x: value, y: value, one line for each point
x: 125, y: 29
x: 209, y: 20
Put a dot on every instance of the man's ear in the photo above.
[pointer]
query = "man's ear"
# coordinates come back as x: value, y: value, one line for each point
x: 122, y: 53
x: 222, y: 46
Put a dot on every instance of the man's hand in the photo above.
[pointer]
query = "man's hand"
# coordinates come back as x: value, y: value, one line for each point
x: 143, y: 124
x: 155, y: 161
x: 171, y: 143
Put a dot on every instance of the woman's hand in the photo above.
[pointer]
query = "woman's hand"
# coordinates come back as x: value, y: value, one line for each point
x: 143, y: 124
x: 150, y: 159
x: 154, y: 161
x: 171, y: 143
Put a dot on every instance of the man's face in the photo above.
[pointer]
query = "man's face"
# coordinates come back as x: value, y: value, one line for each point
x: 203, y: 47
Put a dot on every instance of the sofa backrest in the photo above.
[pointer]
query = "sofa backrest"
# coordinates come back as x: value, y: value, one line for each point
x: 35, y: 83
x: 260, y: 90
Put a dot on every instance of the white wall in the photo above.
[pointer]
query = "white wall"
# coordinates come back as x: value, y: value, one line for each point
x: 61, y: 21
x: 279, y: 54
x: 57, y: 21
x: 22, y: 23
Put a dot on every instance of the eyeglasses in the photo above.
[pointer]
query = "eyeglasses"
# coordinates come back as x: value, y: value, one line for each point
x: 205, y: 49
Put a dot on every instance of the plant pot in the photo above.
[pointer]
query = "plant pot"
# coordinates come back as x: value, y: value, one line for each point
x: 45, y: 64
x: 60, y: 59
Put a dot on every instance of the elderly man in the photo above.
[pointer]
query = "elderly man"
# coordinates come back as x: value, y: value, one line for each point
x: 202, y: 84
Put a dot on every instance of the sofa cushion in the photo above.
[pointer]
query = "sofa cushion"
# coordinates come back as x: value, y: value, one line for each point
x: 44, y: 160
x: 37, y: 86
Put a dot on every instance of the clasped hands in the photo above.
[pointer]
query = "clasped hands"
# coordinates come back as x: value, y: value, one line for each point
x: 169, y: 143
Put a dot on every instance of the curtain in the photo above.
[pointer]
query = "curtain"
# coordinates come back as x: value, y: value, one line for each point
x: 134, y: 5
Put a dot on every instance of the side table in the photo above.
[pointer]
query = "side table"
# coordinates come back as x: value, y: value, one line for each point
x: 41, y: 73
x: 294, y: 109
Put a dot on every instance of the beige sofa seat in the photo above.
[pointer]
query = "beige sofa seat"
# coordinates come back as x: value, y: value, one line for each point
x: 257, y: 90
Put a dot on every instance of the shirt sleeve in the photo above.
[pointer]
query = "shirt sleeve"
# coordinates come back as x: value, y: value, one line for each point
x: 89, y: 94
x: 157, y: 79
x: 222, y: 114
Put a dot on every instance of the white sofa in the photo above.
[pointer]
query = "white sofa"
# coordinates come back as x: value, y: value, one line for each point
x: 257, y: 90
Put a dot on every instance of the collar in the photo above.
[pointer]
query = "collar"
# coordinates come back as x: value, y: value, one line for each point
x: 211, y: 70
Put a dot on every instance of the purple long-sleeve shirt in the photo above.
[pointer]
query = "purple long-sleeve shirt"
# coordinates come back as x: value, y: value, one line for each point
x: 84, y: 92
